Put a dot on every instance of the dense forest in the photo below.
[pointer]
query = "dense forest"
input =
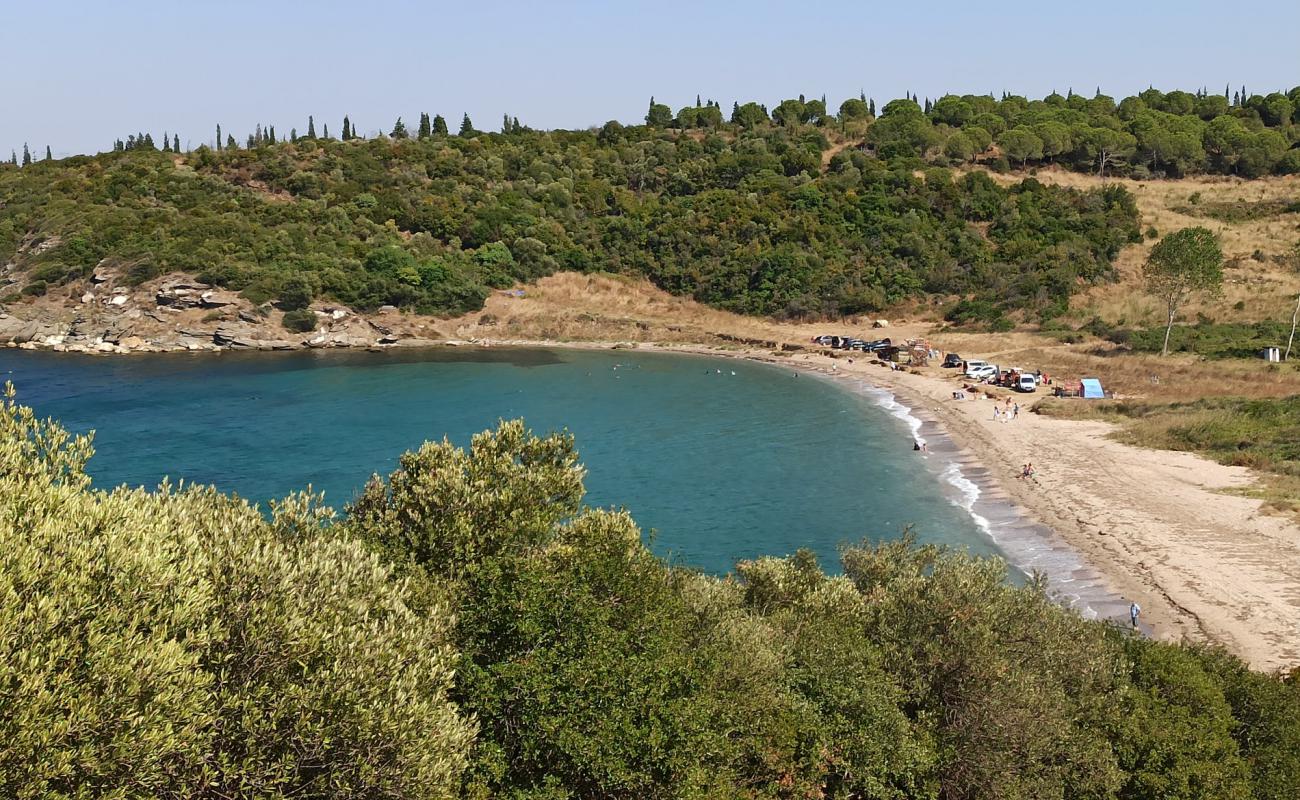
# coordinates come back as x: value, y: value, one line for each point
x: 470, y: 629
x: 795, y: 212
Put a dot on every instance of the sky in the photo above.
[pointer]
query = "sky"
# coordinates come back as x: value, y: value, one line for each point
x: 81, y: 74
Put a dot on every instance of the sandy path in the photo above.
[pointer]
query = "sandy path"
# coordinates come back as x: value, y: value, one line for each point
x: 1204, y: 565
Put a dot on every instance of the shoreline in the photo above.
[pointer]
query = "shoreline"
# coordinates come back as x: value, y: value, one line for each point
x: 1110, y: 520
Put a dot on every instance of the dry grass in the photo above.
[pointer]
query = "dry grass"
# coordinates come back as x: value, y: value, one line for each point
x: 1265, y: 289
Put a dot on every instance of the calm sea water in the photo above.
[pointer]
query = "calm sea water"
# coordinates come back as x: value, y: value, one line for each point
x: 718, y: 460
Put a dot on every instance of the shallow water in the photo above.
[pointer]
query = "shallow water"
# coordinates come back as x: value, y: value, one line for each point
x: 717, y: 459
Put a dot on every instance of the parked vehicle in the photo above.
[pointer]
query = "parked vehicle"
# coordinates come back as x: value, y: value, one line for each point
x: 983, y: 371
x: 951, y: 360
x: 878, y: 345
x: 1027, y: 383
x: 974, y: 365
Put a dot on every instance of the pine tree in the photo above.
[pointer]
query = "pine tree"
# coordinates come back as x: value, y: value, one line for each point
x: 735, y: 112
x: 311, y: 127
x: 1236, y: 99
x: 439, y: 125
x: 13, y: 157
x: 167, y: 142
x: 505, y: 125
x: 293, y: 134
x: 697, y: 101
x: 27, y: 156
x: 176, y: 142
x: 399, y: 129
x: 218, y: 138
x: 466, y: 127
x: 148, y: 142
x: 230, y: 142
x: 347, y: 129
x: 48, y: 155
x: 514, y: 123
x: 426, y: 128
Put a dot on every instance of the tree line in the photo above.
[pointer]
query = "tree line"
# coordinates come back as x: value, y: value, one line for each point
x: 765, y: 220
x: 471, y: 629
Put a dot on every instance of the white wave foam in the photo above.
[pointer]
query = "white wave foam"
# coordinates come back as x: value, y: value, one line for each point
x: 968, y: 495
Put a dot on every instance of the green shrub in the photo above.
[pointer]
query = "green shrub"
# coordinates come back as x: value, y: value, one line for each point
x: 300, y: 321
x: 179, y: 644
x: 35, y: 289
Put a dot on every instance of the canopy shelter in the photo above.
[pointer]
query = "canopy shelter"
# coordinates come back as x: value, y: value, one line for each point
x: 1092, y: 389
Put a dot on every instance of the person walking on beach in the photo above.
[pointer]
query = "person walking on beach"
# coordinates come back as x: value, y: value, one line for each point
x: 1134, y: 611
x: 997, y: 413
x: 1015, y: 411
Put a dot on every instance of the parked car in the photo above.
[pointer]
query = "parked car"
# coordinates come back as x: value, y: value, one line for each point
x: 878, y: 345
x: 951, y: 360
x: 976, y: 364
x: 981, y: 372
x: 1027, y: 383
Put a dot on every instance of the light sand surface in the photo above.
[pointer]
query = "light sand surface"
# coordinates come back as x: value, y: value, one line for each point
x: 1205, y: 565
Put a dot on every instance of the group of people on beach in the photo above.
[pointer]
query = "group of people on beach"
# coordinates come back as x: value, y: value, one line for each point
x: 1007, y: 411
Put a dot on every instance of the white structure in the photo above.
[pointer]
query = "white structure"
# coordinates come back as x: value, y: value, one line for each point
x: 1271, y: 353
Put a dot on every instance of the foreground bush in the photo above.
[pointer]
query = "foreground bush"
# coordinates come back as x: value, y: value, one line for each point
x: 176, y: 644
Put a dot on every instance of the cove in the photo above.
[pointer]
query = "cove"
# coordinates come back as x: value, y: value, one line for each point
x: 717, y: 459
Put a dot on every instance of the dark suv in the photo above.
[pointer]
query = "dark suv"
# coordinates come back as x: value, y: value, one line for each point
x: 952, y: 360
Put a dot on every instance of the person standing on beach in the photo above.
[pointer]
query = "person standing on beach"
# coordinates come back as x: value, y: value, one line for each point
x: 1134, y: 611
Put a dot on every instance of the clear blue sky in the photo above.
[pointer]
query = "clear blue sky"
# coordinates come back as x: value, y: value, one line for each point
x: 83, y: 73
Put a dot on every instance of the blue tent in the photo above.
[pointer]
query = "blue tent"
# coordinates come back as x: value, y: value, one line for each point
x: 1092, y: 389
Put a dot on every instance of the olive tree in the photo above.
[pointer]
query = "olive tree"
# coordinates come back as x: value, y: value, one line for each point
x: 1183, y: 264
x: 178, y: 644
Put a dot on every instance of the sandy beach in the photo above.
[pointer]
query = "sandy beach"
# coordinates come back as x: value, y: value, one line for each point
x: 1159, y: 526
x: 1204, y: 564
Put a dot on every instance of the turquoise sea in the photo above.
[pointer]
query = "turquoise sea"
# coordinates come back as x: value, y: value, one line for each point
x: 717, y: 459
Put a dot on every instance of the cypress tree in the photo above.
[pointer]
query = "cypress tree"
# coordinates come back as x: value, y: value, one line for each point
x: 439, y: 125
x: 148, y: 142
x: 514, y: 122
x: 697, y: 101
x: 426, y: 128
x: 505, y: 124
x: 347, y: 128
x: 48, y: 155
x: 230, y: 142
x: 293, y: 134
x: 466, y: 127
x: 167, y: 142
x: 27, y: 156
x: 326, y: 133
x: 13, y: 157
x: 735, y: 112
x: 1225, y: 91
x: 862, y: 95
x: 871, y: 107
x: 311, y: 127
x: 176, y: 142
x: 271, y: 135
x: 218, y: 137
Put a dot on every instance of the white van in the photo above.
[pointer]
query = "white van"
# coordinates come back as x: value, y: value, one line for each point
x: 1027, y: 383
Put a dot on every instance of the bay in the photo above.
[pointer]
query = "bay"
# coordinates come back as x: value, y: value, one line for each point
x: 717, y: 459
